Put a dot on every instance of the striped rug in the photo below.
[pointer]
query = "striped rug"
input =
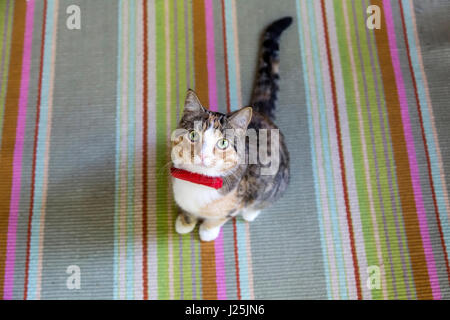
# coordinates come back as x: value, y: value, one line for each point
x: 86, y: 115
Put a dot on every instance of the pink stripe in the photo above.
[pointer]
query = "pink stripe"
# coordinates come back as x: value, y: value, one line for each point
x: 220, y: 268
x: 411, y: 152
x: 211, y: 64
x: 18, y: 151
x: 211, y: 55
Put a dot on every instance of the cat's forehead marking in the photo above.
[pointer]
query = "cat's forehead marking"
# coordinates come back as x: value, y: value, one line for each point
x: 213, y: 120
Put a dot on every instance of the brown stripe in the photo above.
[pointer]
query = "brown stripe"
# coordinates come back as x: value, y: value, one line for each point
x: 208, y: 262
x: 201, y: 80
x: 9, y: 127
x: 201, y: 70
x: 417, y: 255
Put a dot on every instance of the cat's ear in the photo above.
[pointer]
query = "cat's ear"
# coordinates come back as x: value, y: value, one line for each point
x: 241, y: 118
x: 192, y: 103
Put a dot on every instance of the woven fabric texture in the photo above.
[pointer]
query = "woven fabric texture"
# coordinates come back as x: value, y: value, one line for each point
x: 91, y: 90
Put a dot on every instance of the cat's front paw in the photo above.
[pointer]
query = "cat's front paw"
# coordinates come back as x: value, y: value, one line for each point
x: 181, y: 227
x: 208, y: 234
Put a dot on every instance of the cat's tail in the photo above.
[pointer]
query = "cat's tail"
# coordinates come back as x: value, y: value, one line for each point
x: 266, y: 85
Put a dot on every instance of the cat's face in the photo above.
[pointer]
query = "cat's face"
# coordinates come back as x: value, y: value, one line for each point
x: 204, y: 142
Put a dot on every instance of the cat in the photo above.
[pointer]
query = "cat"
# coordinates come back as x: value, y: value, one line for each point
x: 212, y: 181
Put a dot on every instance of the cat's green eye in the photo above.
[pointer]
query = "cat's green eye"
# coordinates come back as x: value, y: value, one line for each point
x: 222, y: 144
x: 193, y: 135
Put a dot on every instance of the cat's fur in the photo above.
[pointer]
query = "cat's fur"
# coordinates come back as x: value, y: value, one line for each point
x: 245, y: 190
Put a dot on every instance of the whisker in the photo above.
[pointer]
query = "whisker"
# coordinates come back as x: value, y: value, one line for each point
x: 163, y: 168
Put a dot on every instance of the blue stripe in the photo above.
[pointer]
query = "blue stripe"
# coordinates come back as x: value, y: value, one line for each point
x: 327, y: 156
x: 242, y: 254
x: 231, y: 55
x: 130, y: 165
x: 40, y: 152
x: 234, y: 105
x: 313, y: 149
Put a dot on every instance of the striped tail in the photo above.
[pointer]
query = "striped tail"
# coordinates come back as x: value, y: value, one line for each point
x: 266, y: 86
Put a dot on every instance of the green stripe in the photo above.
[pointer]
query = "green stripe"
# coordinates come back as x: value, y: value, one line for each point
x: 368, y: 101
x: 355, y: 138
x: 161, y: 154
x: 8, y: 16
x: 383, y: 177
x: 3, y: 16
x: 182, y: 85
x: 173, y: 124
x: 191, y: 81
x: 352, y: 112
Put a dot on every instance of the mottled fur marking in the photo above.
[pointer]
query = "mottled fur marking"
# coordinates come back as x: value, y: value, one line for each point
x: 245, y: 189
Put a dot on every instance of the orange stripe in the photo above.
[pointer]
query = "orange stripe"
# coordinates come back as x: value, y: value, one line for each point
x: 201, y: 70
x: 9, y: 127
x: 418, y: 262
x: 207, y: 254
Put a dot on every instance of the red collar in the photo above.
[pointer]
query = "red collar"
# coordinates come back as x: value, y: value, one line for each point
x: 213, y: 182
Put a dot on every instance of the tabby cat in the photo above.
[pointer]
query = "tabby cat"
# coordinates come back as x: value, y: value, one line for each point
x: 212, y: 181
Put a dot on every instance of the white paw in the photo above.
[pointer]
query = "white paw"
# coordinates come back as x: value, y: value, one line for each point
x: 208, y: 234
x: 182, y: 228
x: 250, y: 215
